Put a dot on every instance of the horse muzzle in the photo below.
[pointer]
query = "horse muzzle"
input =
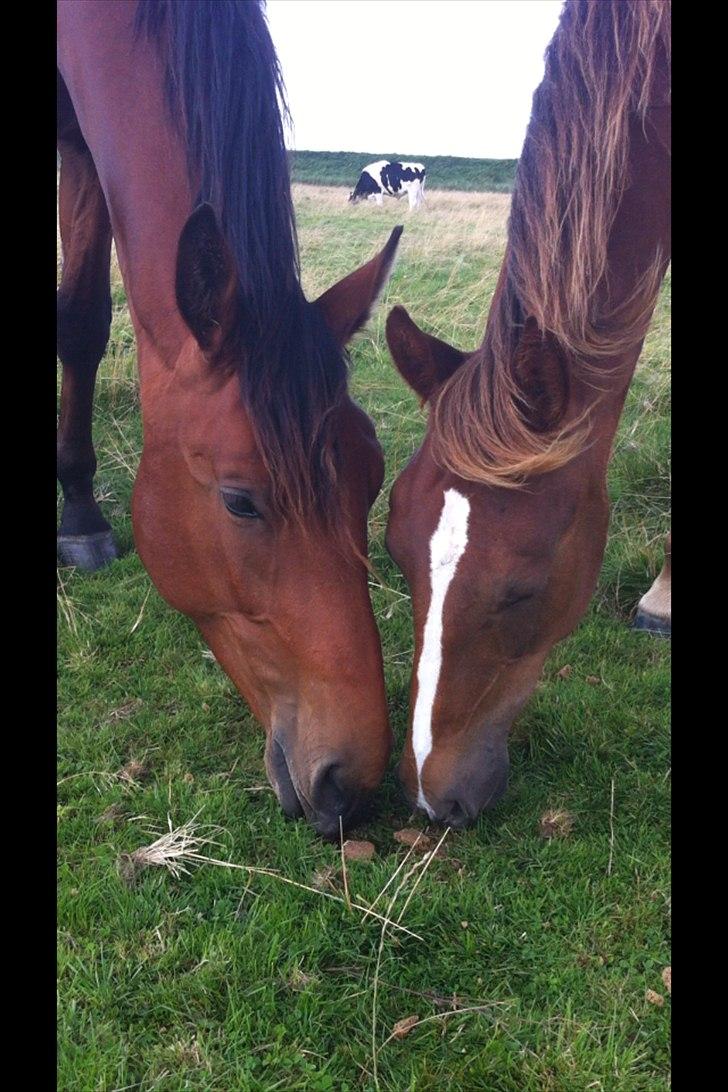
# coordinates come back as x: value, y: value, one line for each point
x: 327, y: 795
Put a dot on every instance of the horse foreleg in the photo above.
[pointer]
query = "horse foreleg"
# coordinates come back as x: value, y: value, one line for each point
x: 653, y: 610
x: 84, y: 321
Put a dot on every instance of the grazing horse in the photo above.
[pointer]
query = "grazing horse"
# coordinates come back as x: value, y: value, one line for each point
x: 394, y: 179
x: 258, y: 470
x: 499, y: 522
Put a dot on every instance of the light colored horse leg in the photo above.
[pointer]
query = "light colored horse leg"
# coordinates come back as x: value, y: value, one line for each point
x: 653, y: 610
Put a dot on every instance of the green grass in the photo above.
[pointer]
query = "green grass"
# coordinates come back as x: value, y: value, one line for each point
x: 211, y: 982
x: 444, y: 172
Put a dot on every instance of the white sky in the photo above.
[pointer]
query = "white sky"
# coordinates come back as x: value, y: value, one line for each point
x: 412, y: 77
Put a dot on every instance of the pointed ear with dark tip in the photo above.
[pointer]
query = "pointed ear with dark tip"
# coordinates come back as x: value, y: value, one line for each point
x: 542, y: 375
x: 422, y: 360
x: 205, y: 278
x: 346, y: 306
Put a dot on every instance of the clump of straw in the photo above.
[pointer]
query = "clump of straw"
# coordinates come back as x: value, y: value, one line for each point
x: 174, y: 850
x: 178, y: 848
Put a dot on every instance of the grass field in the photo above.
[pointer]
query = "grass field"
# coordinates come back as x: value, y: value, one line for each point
x: 444, y: 172
x: 223, y: 980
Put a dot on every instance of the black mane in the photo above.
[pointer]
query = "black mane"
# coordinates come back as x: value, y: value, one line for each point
x: 225, y: 92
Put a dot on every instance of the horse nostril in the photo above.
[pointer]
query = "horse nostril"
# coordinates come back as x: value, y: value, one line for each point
x: 327, y: 795
x: 336, y: 803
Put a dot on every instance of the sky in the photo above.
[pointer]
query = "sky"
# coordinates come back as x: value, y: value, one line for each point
x: 412, y: 77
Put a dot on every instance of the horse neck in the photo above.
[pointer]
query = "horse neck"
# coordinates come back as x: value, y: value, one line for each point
x: 638, y: 255
x: 116, y: 86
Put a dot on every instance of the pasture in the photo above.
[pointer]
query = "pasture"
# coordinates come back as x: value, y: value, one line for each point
x: 444, y: 172
x: 534, y: 953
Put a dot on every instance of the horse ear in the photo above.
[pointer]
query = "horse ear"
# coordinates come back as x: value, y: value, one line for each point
x: 205, y: 277
x: 422, y: 360
x: 346, y: 306
x: 541, y: 373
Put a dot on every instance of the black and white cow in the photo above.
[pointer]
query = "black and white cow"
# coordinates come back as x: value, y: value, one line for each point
x: 394, y: 179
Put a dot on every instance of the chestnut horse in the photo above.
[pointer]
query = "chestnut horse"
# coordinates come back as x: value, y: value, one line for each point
x: 250, y: 505
x: 499, y: 522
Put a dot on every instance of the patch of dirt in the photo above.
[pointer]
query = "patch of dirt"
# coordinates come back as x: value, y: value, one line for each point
x: 115, y: 814
x: 188, y: 1053
x: 404, y: 1026
x: 123, y: 712
x: 411, y: 837
x: 556, y: 824
x: 299, y: 980
x: 134, y: 772
x: 358, y: 851
x: 128, y: 869
x: 326, y: 879
x: 564, y: 672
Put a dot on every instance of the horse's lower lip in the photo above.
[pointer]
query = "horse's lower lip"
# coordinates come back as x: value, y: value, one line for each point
x: 285, y: 789
x: 330, y: 828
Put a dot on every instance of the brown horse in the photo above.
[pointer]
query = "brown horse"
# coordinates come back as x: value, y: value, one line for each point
x: 258, y: 470
x: 499, y: 522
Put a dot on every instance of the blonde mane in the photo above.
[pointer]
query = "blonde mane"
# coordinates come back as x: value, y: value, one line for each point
x: 599, y: 75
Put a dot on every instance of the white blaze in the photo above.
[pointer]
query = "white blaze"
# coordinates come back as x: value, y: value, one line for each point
x: 447, y: 546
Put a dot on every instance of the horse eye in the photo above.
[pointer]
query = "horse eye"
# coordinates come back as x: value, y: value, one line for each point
x: 513, y: 597
x: 239, y: 504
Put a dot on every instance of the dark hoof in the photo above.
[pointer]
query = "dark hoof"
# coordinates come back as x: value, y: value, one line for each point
x: 650, y: 623
x: 88, y: 552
